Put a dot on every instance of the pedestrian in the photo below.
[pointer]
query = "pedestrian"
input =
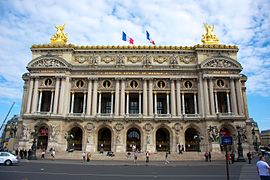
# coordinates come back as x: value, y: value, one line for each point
x: 53, y: 153
x: 135, y: 157
x: 209, y: 156
x: 43, y: 154
x: 232, y: 157
x: 206, y: 156
x: 88, y: 157
x: 249, y: 157
x: 166, y: 158
x: 147, y: 155
x: 182, y: 148
x: 17, y: 152
x: 83, y: 156
x: 263, y: 168
x: 21, y: 153
x: 29, y: 154
x: 179, y: 148
x: 228, y: 158
x: 25, y: 154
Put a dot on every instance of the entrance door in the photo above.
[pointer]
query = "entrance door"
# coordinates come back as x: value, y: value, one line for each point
x: 162, y: 140
x: 104, y: 139
x: 133, y: 140
x: 192, y: 140
x: 42, y: 142
x: 77, y: 138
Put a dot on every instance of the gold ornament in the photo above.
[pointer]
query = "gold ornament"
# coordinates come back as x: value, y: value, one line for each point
x: 59, y: 37
x: 209, y: 37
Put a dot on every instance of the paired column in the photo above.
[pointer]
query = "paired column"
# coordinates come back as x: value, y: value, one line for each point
x: 212, y: 102
x: 122, y: 110
x: 168, y: 103
x: 112, y: 103
x: 127, y: 110
x: 35, y: 96
x: 145, y: 97
x: 206, y: 96
x: 173, y: 108
x: 200, y: 95
x: 30, y: 92
x: 116, y: 103
x: 94, y: 105
x: 178, y: 97
x: 183, y: 103
x: 195, y: 103
x: 62, y: 96
x: 67, y: 96
x: 40, y: 99
x: 72, y: 102
x: 84, y: 102
x: 239, y: 97
x: 233, y: 97
x: 150, y: 91
x: 99, y: 102
x: 89, y: 97
x: 216, y: 103
x: 155, y: 97
x: 228, y: 102
x: 55, y: 103
x: 140, y: 103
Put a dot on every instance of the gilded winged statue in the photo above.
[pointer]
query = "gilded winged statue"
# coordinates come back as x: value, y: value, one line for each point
x: 209, y: 37
x: 59, y: 37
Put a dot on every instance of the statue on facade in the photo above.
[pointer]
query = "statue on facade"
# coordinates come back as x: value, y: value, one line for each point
x: 213, y: 133
x: 209, y: 37
x: 59, y: 37
x: 25, y: 133
x: 55, y: 132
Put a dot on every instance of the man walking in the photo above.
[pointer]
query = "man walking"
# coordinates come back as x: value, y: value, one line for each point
x: 263, y: 168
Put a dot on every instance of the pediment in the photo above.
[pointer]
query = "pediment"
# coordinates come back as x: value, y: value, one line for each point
x: 221, y: 62
x: 48, y: 61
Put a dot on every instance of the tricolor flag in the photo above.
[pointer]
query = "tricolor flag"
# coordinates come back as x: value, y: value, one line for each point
x: 127, y: 38
x: 150, y: 39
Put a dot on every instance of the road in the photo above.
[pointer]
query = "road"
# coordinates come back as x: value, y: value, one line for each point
x: 102, y: 170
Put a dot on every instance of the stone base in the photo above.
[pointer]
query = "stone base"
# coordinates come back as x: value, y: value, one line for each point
x: 216, y: 147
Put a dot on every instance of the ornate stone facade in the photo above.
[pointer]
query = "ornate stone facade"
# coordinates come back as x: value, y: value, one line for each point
x: 115, y: 98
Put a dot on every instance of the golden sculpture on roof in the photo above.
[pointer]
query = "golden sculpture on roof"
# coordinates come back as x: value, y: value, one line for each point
x: 59, y: 37
x: 209, y: 37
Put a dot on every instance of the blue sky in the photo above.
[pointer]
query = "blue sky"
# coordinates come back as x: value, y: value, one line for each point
x: 245, y: 23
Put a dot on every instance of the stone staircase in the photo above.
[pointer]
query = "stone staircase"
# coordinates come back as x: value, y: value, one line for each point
x: 157, y: 156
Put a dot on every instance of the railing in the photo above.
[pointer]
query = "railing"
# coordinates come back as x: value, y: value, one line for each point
x: 191, y: 115
x: 162, y: 115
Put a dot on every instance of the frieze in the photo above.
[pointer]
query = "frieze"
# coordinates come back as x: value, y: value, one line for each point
x: 222, y: 63
x: 81, y: 59
x: 108, y: 59
x: 134, y: 59
x: 173, y: 59
x: 187, y: 59
x: 120, y: 59
x: 94, y: 59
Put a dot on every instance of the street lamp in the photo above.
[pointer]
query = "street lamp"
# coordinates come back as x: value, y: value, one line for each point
x: 240, y: 148
x: 255, y: 140
x: 34, y: 145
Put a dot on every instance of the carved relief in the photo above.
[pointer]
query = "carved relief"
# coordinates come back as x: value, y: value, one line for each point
x: 160, y: 59
x: 187, y: 59
x: 25, y: 133
x: 118, y: 127
x: 134, y: 59
x: 48, y: 62
x: 147, y: 60
x: 93, y: 59
x: 173, y: 59
x: 90, y: 127
x: 120, y: 59
x: 55, y: 132
x: 148, y: 127
x: 177, y: 127
x: 81, y: 59
x: 108, y: 59
x: 223, y: 63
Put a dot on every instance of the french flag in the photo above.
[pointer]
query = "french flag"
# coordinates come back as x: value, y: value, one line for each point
x: 150, y: 39
x: 127, y: 38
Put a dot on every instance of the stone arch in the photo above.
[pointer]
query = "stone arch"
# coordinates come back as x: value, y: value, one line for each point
x: 192, y: 138
x: 104, y: 138
x: 43, y: 130
x: 228, y: 130
x: 133, y: 138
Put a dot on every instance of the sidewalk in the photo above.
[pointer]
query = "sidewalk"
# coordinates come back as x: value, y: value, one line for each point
x: 249, y: 172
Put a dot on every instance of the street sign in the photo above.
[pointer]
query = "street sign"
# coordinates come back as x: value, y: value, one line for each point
x: 226, y: 140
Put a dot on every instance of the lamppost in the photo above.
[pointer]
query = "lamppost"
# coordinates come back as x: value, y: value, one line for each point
x: 255, y: 140
x: 34, y: 145
x: 240, y: 148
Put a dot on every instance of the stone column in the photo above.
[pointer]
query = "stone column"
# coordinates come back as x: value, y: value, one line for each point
x: 127, y: 110
x: 178, y: 97
x: 111, y: 103
x: 239, y: 97
x: 140, y: 102
x: 233, y: 97
x: 150, y: 91
x: 116, y: 106
x: 84, y: 102
x: 99, y: 102
x: 145, y: 113
x: 195, y: 103
x: 123, y: 94
x: 168, y: 103
x: 155, y: 97
x: 35, y: 96
x: 173, y: 108
x: 212, y: 102
x: 55, y: 103
x: 183, y: 103
x: 72, y: 102
x: 206, y: 96
x: 51, y: 103
x: 94, y: 102
x: 216, y: 102
x: 30, y: 92
x: 40, y: 99
x: 228, y: 102
x: 89, y: 97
